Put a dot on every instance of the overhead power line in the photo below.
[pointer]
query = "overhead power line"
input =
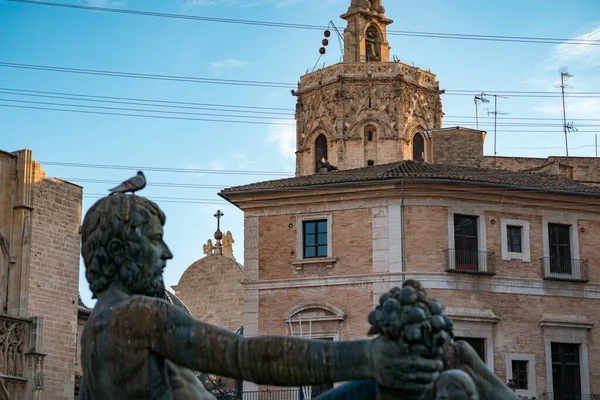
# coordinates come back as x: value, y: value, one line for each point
x: 245, y: 109
x: 149, y: 184
x: 124, y: 114
x: 142, y: 110
x: 148, y: 102
x: 146, y: 115
x: 165, y: 169
x: 485, y: 123
x: 188, y: 79
x: 436, y: 35
x: 284, y: 85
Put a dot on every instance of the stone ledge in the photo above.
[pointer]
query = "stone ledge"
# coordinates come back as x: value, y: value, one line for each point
x: 328, y: 262
x: 566, y: 321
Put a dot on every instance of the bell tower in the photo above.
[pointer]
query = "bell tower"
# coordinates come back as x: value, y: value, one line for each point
x: 365, y: 37
x: 365, y: 110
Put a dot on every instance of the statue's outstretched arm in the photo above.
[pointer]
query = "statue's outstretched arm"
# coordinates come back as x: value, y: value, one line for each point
x: 460, y: 355
x: 283, y: 361
x: 272, y: 360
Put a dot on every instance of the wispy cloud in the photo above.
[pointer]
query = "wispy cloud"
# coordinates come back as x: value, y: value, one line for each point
x: 218, y: 67
x: 587, y: 54
x: 583, y: 62
x: 284, y: 138
x: 576, y: 108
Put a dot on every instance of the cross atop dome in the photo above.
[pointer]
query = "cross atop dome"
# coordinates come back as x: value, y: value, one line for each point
x: 365, y: 37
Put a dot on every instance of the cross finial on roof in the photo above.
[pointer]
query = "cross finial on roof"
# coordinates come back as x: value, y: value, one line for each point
x: 218, y: 233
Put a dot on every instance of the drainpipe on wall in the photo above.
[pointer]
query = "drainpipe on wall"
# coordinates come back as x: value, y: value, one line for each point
x: 402, y: 236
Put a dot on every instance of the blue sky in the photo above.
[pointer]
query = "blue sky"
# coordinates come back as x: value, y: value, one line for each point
x: 53, y: 36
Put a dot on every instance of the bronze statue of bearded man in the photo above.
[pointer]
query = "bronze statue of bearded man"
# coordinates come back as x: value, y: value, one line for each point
x: 138, y: 346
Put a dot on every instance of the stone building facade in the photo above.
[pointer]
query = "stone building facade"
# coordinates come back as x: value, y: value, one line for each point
x: 486, y: 243
x: 508, y: 244
x: 39, y: 273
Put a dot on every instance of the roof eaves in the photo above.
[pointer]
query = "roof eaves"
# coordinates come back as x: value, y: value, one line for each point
x: 415, y: 180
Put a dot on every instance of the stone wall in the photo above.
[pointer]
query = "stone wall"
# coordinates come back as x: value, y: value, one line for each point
x: 458, y: 146
x: 54, y: 277
x: 39, y: 230
x: 583, y: 169
x: 211, y: 288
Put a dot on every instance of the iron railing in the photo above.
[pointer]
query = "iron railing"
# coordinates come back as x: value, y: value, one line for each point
x: 291, y: 394
x: 478, y: 262
x: 564, y: 269
x: 304, y: 393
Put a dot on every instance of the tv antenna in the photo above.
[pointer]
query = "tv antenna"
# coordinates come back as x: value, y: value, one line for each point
x: 478, y: 98
x: 495, y: 113
x: 564, y: 75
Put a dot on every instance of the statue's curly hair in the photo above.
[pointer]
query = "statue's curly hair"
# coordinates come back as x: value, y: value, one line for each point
x: 120, y: 216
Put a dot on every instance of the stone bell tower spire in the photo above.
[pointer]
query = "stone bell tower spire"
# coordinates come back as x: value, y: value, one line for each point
x: 366, y: 110
x: 365, y: 38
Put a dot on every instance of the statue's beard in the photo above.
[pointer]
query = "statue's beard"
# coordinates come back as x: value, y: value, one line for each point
x: 138, y: 281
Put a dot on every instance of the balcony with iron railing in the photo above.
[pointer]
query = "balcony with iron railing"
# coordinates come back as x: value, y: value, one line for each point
x: 303, y: 393
x: 564, y: 269
x: 470, y: 262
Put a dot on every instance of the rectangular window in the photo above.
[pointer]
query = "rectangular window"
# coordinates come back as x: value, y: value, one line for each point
x: 519, y: 370
x: 465, y: 243
x: 513, y: 239
x: 477, y: 344
x: 315, y: 238
x: 566, y: 379
x: 559, y: 241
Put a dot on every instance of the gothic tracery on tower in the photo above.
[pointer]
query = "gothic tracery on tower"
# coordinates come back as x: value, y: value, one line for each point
x: 366, y: 109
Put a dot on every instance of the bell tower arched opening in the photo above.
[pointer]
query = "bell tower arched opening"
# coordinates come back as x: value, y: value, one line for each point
x: 373, y: 43
x: 370, y: 144
x: 320, y: 150
x: 418, y: 147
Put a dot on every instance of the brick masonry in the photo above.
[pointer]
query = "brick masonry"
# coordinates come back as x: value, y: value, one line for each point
x: 54, y: 278
x: 366, y: 242
x: 351, y: 244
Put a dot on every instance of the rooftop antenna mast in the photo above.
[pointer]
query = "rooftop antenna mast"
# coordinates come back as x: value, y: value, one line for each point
x: 495, y: 113
x: 479, y: 98
x: 564, y: 74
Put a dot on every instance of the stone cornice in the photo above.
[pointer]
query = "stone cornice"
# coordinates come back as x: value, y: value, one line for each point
x: 339, y: 197
x: 443, y: 280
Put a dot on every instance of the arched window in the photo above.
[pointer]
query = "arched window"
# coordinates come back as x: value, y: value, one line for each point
x: 373, y: 44
x: 320, y: 150
x: 418, y: 147
x: 369, y: 133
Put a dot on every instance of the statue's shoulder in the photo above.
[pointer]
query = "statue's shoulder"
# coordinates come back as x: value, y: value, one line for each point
x: 127, y: 309
x: 141, y: 305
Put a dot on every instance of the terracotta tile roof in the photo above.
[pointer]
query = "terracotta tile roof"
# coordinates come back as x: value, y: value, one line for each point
x: 81, y: 307
x: 414, y: 170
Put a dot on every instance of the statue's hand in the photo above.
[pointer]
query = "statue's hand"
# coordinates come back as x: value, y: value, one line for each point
x: 394, y: 367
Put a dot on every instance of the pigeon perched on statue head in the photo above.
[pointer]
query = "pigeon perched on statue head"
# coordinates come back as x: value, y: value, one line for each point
x: 132, y: 185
